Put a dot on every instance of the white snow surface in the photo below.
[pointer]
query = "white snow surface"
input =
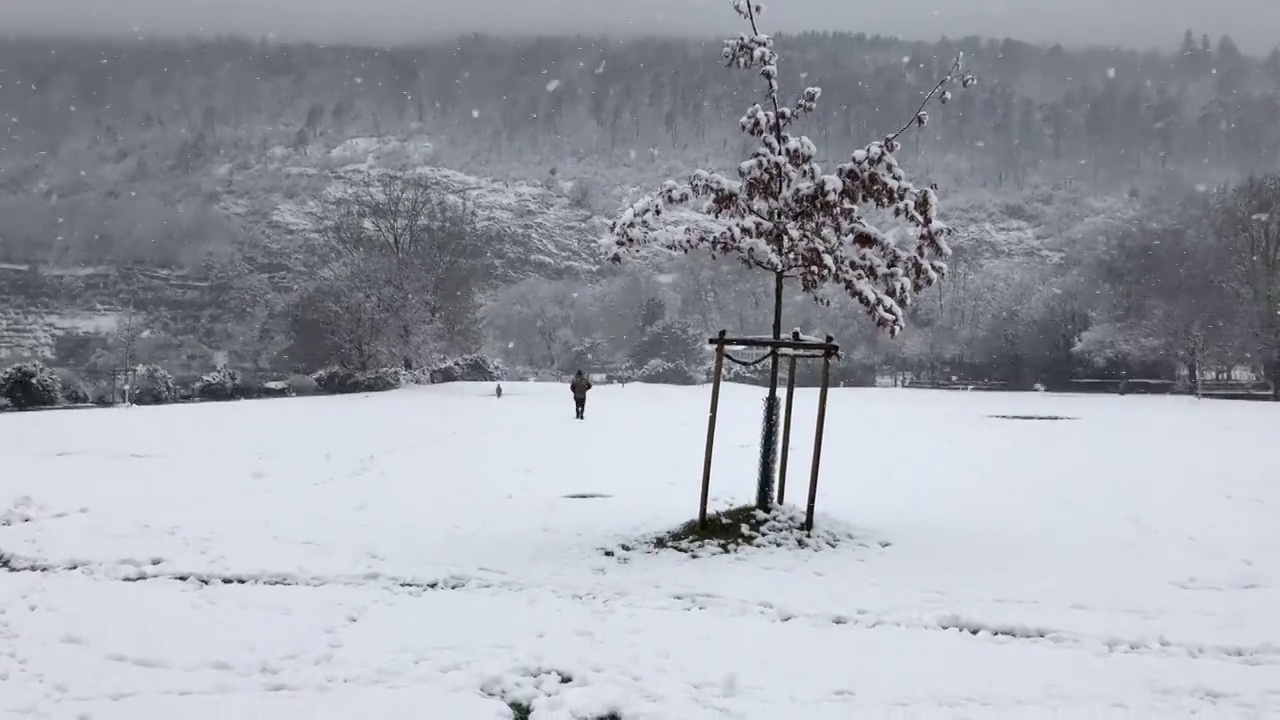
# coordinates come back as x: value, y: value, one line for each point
x: 411, y: 554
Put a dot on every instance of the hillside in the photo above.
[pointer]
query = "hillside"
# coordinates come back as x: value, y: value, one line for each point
x: 185, y: 179
x: 544, y: 233
x: 112, y: 145
x: 269, y: 210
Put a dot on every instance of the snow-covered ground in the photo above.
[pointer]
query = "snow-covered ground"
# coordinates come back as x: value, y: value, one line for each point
x: 412, y: 554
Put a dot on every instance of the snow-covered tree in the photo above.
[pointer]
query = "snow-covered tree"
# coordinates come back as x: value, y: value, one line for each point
x: 670, y: 340
x: 1247, y: 219
x: 785, y: 216
x: 1168, y: 291
x: 536, y: 324
x: 406, y: 266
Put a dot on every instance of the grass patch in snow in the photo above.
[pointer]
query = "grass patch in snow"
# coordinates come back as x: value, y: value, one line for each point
x: 1032, y: 417
x: 744, y: 527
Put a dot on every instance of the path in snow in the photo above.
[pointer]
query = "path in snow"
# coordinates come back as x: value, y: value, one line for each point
x: 334, y: 557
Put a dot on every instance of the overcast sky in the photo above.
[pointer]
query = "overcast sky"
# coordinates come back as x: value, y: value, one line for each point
x: 1254, y: 24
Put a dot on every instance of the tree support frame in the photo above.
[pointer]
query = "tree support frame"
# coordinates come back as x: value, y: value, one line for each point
x: 796, y: 347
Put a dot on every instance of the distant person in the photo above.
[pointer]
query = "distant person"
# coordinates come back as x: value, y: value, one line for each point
x: 498, y: 392
x: 579, y: 387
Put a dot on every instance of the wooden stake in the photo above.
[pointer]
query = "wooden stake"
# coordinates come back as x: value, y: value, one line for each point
x: 711, y: 432
x: 817, y: 442
x: 786, y: 429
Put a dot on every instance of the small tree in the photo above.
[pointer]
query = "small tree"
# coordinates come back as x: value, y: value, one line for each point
x: 784, y: 216
x: 405, y: 274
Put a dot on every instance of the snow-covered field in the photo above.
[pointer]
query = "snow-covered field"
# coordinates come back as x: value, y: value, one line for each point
x: 412, y: 554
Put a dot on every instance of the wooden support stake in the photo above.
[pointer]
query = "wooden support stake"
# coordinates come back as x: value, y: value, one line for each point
x: 786, y: 429
x: 817, y: 443
x: 711, y: 432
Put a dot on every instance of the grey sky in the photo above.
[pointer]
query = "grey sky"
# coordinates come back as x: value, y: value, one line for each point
x: 1255, y: 24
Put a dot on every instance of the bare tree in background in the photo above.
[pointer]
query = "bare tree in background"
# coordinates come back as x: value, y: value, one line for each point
x: 406, y: 259
x: 1247, y: 219
x: 1170, y: 291
x: 785, y: 217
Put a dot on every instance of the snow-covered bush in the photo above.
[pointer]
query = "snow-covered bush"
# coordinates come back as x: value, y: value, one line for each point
x: 101, y: 394
x: 30, y: 384
x: 345, y: 381
x: 622, y: 375
x: 468, y: 368
x: 152, y: 386
x: 673, y: 341
x: 661, y: 372
x: 221, y: 384
x: 383, y: 379
x: 303, y: 385
x: 74, y: 391
x: 335, y: 381
x: 270, y: 389
x: 76, y: 394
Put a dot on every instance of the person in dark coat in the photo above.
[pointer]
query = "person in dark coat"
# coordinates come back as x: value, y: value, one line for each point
x: 579, y: 387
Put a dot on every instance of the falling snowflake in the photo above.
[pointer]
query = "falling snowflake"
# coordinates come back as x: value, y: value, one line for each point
x: 551, y: 86
x: 475, y: 113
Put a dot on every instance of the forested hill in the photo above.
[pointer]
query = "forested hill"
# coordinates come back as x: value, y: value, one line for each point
x: 183, y: 181
x: 93, y: 123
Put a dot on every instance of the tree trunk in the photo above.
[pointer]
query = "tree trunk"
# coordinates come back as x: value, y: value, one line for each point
x: 1272, y: 370
x: 769, y: 428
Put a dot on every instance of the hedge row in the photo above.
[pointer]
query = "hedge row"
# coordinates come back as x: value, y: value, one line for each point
x: 33, y: 385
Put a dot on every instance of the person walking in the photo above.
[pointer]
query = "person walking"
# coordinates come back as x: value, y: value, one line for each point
x: 579, y: 387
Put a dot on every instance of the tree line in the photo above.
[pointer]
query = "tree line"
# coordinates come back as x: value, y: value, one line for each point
x: 1097, y: 113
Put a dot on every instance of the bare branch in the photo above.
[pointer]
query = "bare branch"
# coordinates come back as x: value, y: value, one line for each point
x: 921, y: 118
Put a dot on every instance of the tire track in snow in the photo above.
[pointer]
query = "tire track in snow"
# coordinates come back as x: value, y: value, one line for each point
x: 1263, y: 654
x: 128, y: 572
x: 601, y: 595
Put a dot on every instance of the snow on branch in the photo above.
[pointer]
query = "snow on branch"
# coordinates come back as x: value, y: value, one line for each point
x: 783, y: 214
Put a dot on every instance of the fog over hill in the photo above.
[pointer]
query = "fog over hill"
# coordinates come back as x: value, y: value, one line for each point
x: 1128, y: 23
